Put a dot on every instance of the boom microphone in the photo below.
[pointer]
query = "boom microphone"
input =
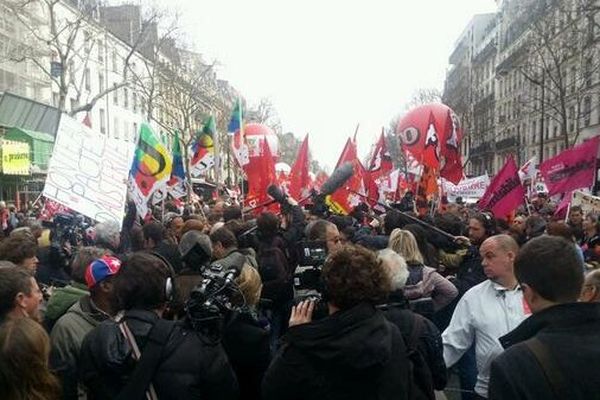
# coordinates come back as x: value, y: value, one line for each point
x: 337, y: 179
x: 277, y: 194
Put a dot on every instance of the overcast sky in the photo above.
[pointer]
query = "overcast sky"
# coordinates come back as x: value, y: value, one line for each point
x: 328, y: 65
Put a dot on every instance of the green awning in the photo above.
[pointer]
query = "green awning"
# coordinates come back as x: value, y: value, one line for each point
x: 28, y: 114
x: 40, y: 145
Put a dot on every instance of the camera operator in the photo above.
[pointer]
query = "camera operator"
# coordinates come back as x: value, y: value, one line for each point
x: 225, y: 248
x: 196, y: 252
x: 324, y: 231
x: 354, y: 353
x: 175, y: 362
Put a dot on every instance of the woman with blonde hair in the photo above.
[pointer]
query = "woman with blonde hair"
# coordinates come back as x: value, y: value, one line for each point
x: 245, y: 339
x: 423, y: 281
x: 24, y: 371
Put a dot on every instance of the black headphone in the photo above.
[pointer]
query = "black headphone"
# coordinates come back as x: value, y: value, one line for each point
x: 488, y: 221
x: 170, y: 289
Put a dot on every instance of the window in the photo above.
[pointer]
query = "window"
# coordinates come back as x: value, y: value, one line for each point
x: 102, y: 121
x: 588, y: 73
x: 115, y: 65
x: 571, y: 118
x: 100, y: 52
x: 71, y: 70
x: 86, y: 41
x: 134, y: 101
x: 116, y: 128
x: 573, y: 76
x: 86, y: 79
x: 101, y: 82
x: 587, y: 111
x: 115, y: 94
x: 125, y: 98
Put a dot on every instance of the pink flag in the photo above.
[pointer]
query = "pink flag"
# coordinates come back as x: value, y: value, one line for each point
x: 563, y: 206
x: 505, y: 192
x: 572, y: 169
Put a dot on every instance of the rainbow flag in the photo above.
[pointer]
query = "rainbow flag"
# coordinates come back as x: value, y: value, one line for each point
x: 203, y: 149
x: 150, y: 170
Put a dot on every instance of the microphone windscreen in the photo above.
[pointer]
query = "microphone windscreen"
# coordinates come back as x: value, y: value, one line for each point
x: 276, y: 193
x: 337, y: 179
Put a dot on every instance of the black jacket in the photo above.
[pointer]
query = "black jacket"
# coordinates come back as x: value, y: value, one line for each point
x: 247, y: 346
x: 429, y: 340
x: 192, y: 368
x: 470, y: 272
x: 274, y: 272
x: 352, y: 354
x: 569, y: 332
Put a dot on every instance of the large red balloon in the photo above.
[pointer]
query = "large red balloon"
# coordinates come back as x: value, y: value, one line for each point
x: 432, y: 134
x: 254, y: 134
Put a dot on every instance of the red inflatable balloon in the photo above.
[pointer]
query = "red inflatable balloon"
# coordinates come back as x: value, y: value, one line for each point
x: 432, y: 134
x: 254, y: 134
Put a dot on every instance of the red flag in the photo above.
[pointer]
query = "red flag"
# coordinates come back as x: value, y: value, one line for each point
x: 320, y: 179
x: 342, y: 201
x: 426, y: 189
x: 87, y: 120
x: 380, y: 163
x: 299, y: 176
x: 452, y: 169
x: 505, y: 192
x: 572, y: 169
x: 261, y: 173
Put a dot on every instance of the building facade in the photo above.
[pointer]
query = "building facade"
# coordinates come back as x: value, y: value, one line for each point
x: 525, y: 80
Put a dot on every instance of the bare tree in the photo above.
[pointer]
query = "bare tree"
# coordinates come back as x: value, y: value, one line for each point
x: 265, y: 113
x: 424, y: 96
x: 67, y: 36
x: 559, y: 61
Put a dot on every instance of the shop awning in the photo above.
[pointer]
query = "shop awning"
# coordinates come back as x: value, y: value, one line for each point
x: 28, y: 114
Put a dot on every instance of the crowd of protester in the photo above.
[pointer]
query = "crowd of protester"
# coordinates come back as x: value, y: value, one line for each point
x: 401, y: 303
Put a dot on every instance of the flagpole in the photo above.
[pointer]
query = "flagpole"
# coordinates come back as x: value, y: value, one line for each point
x: 229, y: 160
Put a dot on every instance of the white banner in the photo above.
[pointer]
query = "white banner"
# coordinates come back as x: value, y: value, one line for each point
x: 587, y: 202
x: 467, y: 188
x: 88, y: 171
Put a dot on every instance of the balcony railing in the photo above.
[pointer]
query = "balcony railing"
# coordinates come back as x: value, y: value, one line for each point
x: 506, y: 143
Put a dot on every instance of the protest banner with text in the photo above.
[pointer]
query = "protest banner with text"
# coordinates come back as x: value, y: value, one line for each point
x: 88, y: 171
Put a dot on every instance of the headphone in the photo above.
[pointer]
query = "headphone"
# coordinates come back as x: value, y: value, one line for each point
x: 488, y: 221
x: 170, y: 282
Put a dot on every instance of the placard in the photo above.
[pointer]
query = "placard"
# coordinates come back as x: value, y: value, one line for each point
x: 88, y: 171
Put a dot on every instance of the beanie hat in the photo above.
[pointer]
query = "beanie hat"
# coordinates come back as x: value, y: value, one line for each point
x: 100, y: 269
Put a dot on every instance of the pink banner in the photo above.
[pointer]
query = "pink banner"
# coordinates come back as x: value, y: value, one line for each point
x: 505, y: 192
x: 572, y: 169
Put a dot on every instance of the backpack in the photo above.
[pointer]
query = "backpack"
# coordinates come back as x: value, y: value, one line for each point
x: 418, y: 290
x: 422, y: 380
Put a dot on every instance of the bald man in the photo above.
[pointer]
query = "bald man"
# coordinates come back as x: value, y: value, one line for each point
x: 487, y: 311
x: 590, y: 292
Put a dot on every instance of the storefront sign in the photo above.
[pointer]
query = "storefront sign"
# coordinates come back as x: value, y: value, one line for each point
x: 15, y: 158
